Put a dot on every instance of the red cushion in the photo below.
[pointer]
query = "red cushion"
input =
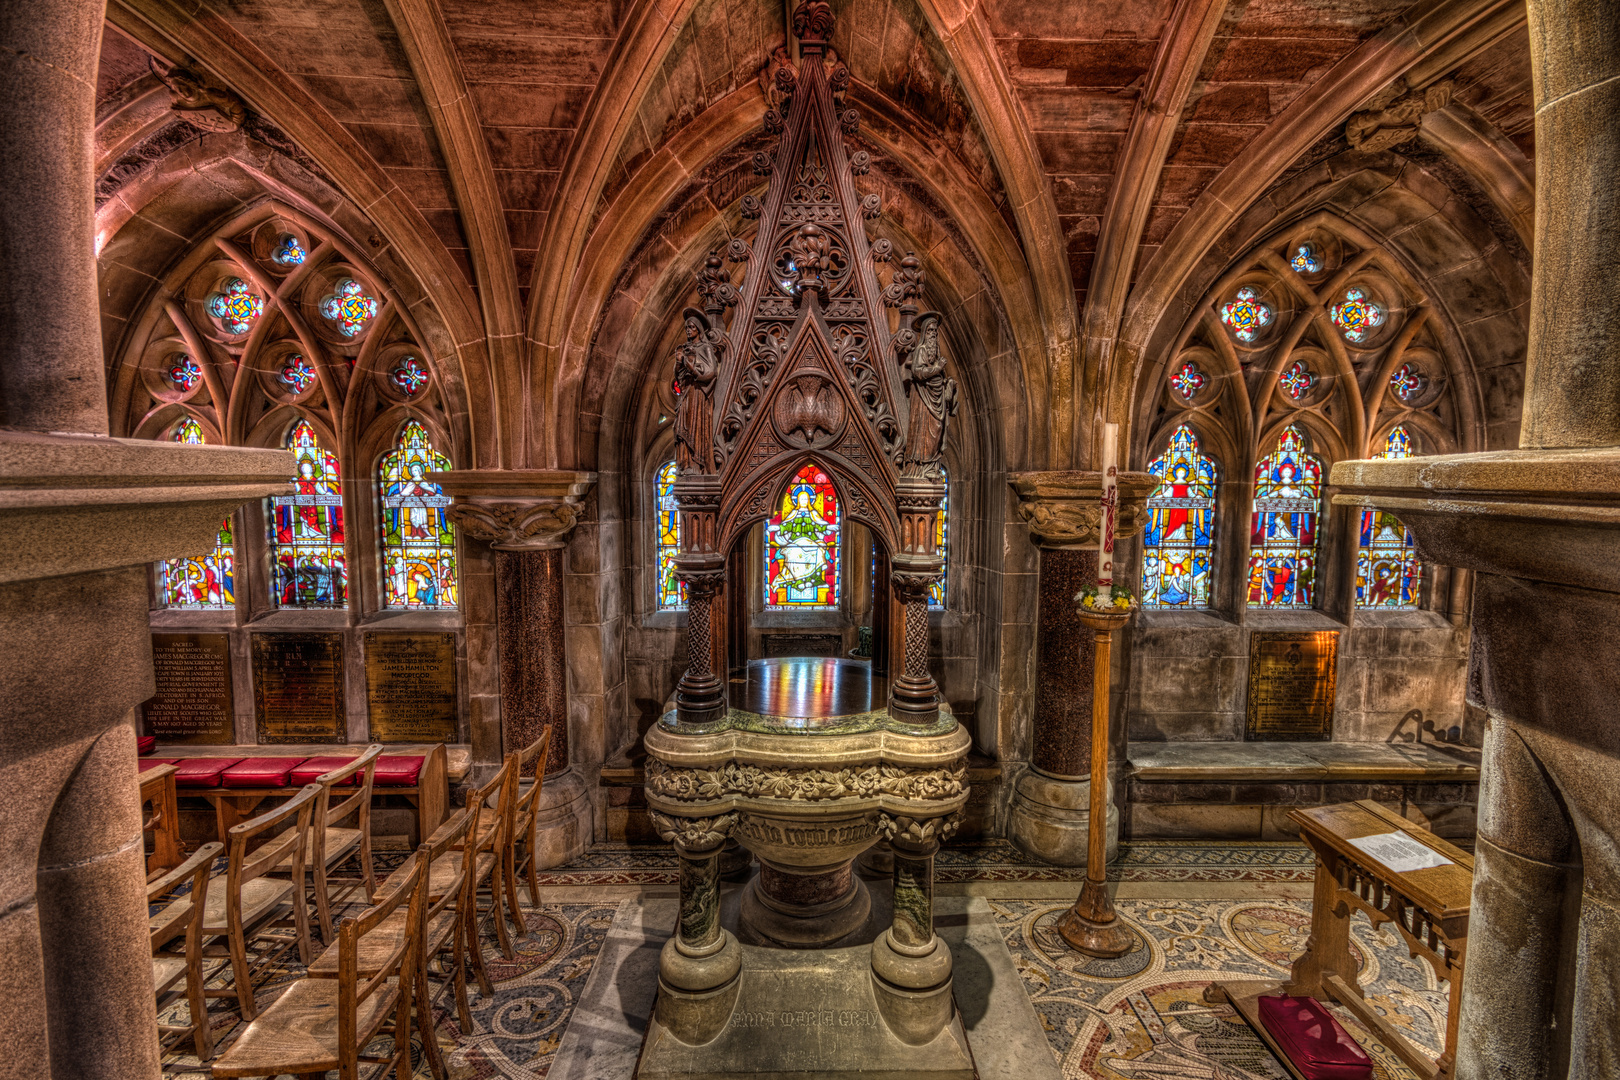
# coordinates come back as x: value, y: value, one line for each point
x: 397, y: 771
x: 255, y: 772
x: 1315, y: 1042
x: 153, y: 762
x: 201, y: 771
x: 145, y: 744
x: 316, y: 767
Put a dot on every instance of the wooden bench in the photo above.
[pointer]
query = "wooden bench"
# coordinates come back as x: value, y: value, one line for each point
x: 162, y: 820
x: 233, y: 804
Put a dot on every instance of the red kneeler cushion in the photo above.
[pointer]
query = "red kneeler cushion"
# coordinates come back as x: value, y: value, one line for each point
x: 201, y: 771
x: 260, y: 772
x: 1318, y: 1047
x: 154, y: 762
x: 397, y: 771
x: 145, y: 744
x: 316, y: 767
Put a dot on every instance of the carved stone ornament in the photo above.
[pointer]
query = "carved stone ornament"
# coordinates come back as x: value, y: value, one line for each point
x: 812, y: 20
x: 694, y: 834
x: 200, y: 103
x: 512, y: 526
x: 1062, y: 509
x: 805, y: 785
x: 1392, y: 117
x: 809, y: 413
x: 918, y: 832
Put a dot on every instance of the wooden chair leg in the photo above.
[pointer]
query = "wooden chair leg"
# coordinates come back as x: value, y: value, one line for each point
x: 323, y: 908
x: 509, y: 867
x: 306, y: 954
x: 402, y: 1031
x: 202, y: 1036
x: 476, y: 948
x: 459, y: 958
x: 366, y: 868
x: 240, y: 977
x: 534, y: 878
x: 424, y: 1022
x: 496, y: 879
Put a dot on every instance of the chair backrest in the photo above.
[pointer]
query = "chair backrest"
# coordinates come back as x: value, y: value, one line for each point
x: 352, y: 992
x: 360, y: 802
x: 502, y: 787
x: 532, y: 762
x: 244, y: 867
x: 196, y: 871
x: 453, y: 833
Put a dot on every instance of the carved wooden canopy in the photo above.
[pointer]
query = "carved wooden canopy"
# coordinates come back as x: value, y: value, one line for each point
x: 809, y: 371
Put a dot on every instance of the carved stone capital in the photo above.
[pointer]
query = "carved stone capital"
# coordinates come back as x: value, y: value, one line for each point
x: 694, y: 834
x: 913, y: 585
x: 1062, y: 509
x: 918, y: 832
x: 515, y: 510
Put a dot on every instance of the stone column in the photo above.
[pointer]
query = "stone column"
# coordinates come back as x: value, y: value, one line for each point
x: 1050, y: 815
x: 911, y: 966
x: 525, y: 517
x: 699, y: 967
x: 1541, y: 525
x: 913, y: 694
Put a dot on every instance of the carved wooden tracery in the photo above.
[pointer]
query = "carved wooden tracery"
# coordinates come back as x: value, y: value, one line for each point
x: 810, y: 371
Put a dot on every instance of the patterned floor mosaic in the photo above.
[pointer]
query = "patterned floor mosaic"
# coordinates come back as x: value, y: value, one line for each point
x: 998, y: 860
x: 1143, y: 1016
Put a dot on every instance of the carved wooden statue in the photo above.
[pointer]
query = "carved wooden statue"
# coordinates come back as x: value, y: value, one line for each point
x: 932, y: 397
x: 697, y: 363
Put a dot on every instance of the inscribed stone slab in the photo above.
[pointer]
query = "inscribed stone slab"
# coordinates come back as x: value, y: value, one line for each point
x: 298, y: 687
x: 411, y: 687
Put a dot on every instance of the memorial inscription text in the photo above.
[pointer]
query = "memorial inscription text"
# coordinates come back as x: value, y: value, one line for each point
x: 193, y: 702
x: 1293, y: 677
x: 298, y: 687
x: 411, y: 687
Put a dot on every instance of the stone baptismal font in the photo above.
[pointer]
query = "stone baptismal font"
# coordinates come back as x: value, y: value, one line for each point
x: 808, y: 763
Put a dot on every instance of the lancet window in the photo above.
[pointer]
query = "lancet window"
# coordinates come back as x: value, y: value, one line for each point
x: 942, y: 532
x: 671, y: 593
x: 1178, y: 544
x: 1283, y: 528
x: 419, y: 541
x: 205, y: 582
x: 802, y: 544
x: 308, y: 565
x: 1388, y: 573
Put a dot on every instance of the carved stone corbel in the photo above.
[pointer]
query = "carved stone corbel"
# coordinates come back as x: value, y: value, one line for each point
x: 201, y: 103
x: 515, y: 510
x: 694, y: 834
x: 1395, y: 114
x: 1062, y: 509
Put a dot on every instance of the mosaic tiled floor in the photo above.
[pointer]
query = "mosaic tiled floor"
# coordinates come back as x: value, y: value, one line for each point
x: 1143, y: 1016
x: 998, y: 860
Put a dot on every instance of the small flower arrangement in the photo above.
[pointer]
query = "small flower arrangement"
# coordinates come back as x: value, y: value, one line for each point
x: 1120, y: 597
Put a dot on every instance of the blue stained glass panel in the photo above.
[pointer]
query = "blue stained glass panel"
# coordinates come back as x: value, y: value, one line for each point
x: 1282, y: 530
x: 1388, y: 573
x: 801, y: 544
x: 1178, y: 544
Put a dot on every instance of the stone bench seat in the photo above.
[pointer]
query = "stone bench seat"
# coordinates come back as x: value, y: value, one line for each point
x: 236, y: 780
x: 1244, y: 790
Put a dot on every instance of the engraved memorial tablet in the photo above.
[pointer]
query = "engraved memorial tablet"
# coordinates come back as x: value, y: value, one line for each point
x: 298, y: 687
x: 193, y: 702
x: 1293, y: 676
x: 411, y: 687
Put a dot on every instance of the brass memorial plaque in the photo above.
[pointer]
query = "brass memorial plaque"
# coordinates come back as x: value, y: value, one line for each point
x: 298, y: 687
x: 1292, y: 680
x: 193, y: 703
x: 411, y: 687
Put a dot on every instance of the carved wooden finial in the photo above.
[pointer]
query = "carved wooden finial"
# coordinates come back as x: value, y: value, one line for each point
x: 813, y: 23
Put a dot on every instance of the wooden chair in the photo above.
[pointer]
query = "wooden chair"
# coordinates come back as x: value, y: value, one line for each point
x: 169, y: 967
x: 330, y: 845
x: 531, y: 762
x: 444, y: 925
x: 162, y: 821
x: 318, y: 1025
x: 498, y: 798
x: 253, y: 904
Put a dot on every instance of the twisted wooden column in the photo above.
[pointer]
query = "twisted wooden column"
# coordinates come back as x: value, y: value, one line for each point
x: 700, y: 697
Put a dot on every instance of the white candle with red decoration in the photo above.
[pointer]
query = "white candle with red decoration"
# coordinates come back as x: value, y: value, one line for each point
x: 1110, y: 512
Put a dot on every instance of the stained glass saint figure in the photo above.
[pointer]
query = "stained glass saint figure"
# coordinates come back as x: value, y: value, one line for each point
x: 671, y: 593
x: 1282, y: 531
x: 205, y: 582
x: 1180, y: 537
x: 801, y: 544
x: 308, y: 566
x: 419, y: 540
x: 1388, y: 573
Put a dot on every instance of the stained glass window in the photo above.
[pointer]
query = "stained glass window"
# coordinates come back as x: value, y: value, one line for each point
x: 185, y: 374
x: 206, y: 582
x: 408, y: 376
x: 296, y: 374
x: 1180, y: 537
x: 1188, y: 381
x: 1306, y: 260
x: 349, y: 307
x: 1246, y: 315
x: 235, y: 306
x: 1282, y: 530
x: 1388, y: 574
x: 671, y: 593
x: 1297, y: 379
x: 1357, y: 315
x: 419, y: 541
x: 306, y: 540
x: 801, y: 544
x: 289, y: 252
x: 1408, y: 382
x: 936, y: 591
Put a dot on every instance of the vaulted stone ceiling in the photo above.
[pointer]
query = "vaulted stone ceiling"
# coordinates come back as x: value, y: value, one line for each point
x: 1080, y: 156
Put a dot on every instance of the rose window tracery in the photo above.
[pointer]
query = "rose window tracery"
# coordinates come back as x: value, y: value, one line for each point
x: 289, y: 252
x: 235, y: 306
x: 349, y: 307
x: 185, y: 374
x: 1306, y: 259
x: 1188, y: 380
x: 1246, y: 315
x: 1407, y: 382
x: 297, y: 374
x: 1297, y: 379
x: 408, y: 376
x: 1357, y: 315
